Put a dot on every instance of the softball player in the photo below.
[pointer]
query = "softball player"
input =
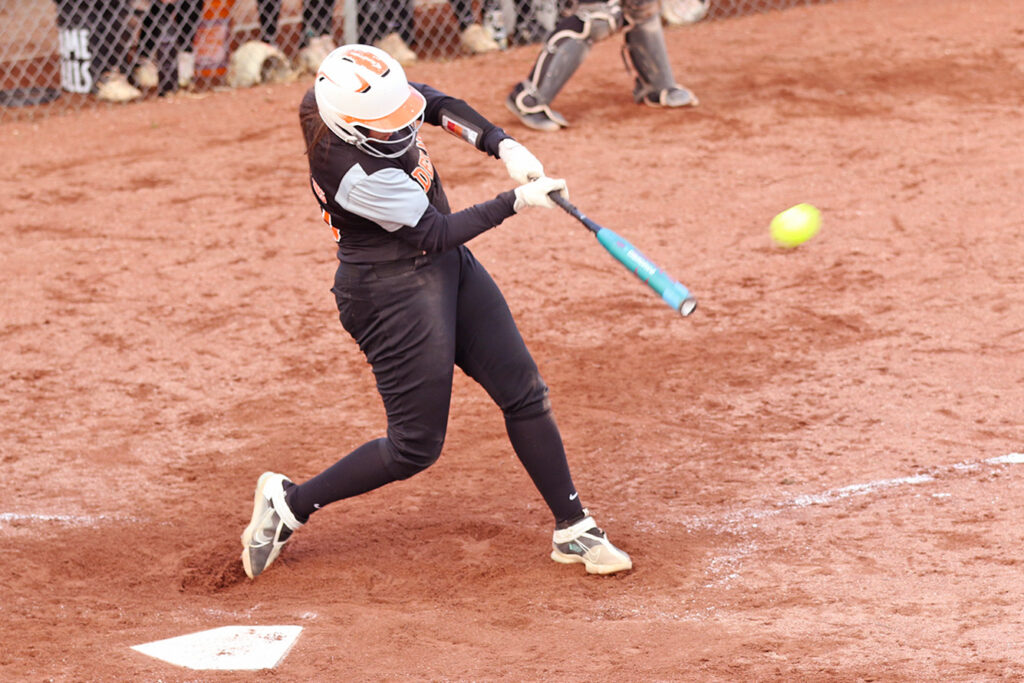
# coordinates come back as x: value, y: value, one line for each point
x: 643, y: 52
x: 417, y: 302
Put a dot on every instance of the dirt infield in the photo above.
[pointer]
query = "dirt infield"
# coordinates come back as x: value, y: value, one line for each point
x: 806, y: 471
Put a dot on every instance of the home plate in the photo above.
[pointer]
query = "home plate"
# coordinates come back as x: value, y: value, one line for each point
x: 226, y: 648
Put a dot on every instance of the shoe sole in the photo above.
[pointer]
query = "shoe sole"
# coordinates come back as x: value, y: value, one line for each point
x: 591, y: 567
x: 657, y: 105
x: 257, y: 503
x: 547, y: 129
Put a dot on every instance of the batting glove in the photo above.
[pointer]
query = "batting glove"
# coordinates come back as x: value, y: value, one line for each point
x: 536, y: 193
x: 522, y: 166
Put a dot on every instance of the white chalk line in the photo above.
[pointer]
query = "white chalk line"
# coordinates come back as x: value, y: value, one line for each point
x: 858, y: 490
x: 723, y: 569
x: 732, y: 518
x: 69, y: 520
x: 861, y: 489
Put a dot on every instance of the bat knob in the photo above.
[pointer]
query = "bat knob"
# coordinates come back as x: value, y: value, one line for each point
x: 688, y: 306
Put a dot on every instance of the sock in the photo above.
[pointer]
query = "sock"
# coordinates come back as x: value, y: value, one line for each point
x: 569, y: 522
x: 360, y: 471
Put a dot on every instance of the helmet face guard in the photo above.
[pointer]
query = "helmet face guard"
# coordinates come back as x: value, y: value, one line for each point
x: 394, y: 146
x: 359, y: 89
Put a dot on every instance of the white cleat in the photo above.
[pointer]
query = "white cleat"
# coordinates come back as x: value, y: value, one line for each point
x: 271, y: 525
x: 585, y: 542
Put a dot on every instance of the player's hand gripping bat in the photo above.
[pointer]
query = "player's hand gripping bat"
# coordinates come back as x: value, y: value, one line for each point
x: 675, y: 294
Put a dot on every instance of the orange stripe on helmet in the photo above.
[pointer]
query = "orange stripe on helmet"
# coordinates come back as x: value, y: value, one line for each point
x: 368, y: 60
x: 401, y: 117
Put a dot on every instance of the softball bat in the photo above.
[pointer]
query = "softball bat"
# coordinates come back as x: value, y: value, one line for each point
x: 671, y: 291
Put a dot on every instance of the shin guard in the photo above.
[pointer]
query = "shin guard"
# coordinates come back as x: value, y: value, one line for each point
x: 646, y: 57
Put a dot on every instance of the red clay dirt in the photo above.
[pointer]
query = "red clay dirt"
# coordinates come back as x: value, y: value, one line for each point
x: 801, y: 470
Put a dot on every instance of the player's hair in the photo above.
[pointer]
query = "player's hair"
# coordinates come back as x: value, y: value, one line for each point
x: 311, y: 120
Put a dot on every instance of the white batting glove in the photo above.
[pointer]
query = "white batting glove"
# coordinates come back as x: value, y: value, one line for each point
x: 535, y: 193
x: 522, y: 166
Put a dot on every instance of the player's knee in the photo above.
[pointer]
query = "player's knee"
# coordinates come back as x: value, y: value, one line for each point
x: 639, y: 11
x: 592, y: 21
x: 602, y: 28
x: 530, y: 402
x: 407, y: 455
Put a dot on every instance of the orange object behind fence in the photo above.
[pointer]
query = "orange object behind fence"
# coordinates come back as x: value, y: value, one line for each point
x: 213, y: 39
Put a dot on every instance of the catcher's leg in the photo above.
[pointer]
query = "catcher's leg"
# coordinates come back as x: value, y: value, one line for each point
x: 646, y: 58
x: 563, y: 52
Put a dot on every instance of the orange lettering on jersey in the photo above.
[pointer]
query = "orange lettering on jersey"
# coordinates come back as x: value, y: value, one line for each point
x: 318, y: 191
x: 330, y: 224
x: 421, y: 177
x: 424, y: 171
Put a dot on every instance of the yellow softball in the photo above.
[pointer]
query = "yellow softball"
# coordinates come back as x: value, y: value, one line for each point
x: 796, y: 225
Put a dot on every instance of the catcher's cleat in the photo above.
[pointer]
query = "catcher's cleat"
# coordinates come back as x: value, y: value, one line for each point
x: 584, y: 542
x: 271, y: 525
x: 532, y: 112
x: 676, y: 96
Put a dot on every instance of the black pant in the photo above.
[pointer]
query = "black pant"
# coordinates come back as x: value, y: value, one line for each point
x: 415, y: 320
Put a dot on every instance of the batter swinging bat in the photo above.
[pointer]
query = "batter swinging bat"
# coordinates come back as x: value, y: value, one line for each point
x: 675, y: 294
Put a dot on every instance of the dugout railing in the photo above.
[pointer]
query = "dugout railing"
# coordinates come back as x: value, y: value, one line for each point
x: 54, y: 53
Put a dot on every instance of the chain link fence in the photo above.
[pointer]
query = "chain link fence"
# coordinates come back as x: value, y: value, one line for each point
x: 62, y: 55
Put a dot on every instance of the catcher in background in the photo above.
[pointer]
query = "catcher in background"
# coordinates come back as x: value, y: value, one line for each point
x: 416, y: 301
x: 565, y: 49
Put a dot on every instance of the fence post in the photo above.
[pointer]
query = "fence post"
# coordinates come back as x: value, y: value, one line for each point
x: 351, y: 33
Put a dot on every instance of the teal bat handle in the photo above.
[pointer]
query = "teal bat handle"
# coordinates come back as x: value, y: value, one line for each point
x: 671, y: 291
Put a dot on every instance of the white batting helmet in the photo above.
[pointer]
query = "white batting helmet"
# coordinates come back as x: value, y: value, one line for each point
x: 360, y: 88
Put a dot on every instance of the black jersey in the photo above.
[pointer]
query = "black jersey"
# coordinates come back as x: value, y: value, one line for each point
x: 388, y: 209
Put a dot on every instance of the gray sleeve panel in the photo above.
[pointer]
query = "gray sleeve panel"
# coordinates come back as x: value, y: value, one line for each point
x: 388, y: 197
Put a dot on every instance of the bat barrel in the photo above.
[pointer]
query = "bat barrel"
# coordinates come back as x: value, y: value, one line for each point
x: 672, y: 292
